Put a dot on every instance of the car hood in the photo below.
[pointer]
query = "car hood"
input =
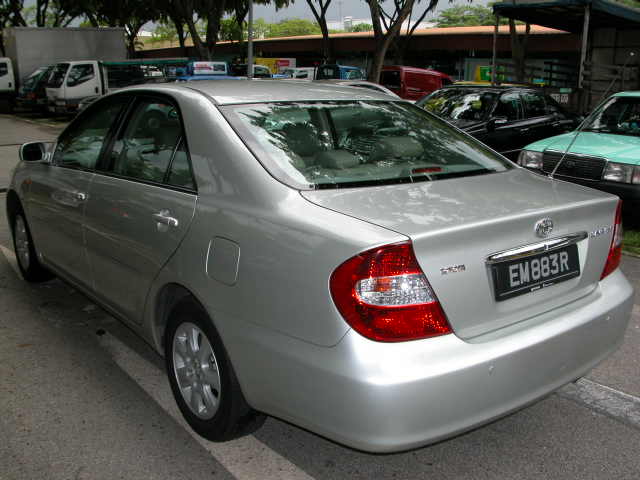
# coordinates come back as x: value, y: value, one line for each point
x: 617, y: 148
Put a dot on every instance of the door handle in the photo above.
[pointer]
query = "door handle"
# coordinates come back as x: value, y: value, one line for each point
x: 96, y: 89
x: 163, y: 217
x: 523, y: 130
x: 80, y: 196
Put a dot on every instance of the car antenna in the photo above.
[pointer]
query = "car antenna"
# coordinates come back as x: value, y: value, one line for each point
x: 586, y: 120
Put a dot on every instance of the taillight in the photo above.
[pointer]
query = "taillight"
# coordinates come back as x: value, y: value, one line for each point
x: 615, y: 250
x: 384, y: 295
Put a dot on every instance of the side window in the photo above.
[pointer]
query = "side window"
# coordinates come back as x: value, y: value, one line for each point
x: 80, y: 145
x: 145, y: 148
x: 80, y: 74
x: 553, y: 107
x: 534, y: 104
x: 4, y: 69
x: 508, y: 107
x: 180, y: 173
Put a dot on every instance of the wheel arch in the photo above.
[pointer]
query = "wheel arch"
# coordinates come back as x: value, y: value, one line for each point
x: 166, y: 299
x: 13, y: 206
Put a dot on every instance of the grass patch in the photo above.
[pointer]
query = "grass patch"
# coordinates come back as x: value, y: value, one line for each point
x: 631, y: 242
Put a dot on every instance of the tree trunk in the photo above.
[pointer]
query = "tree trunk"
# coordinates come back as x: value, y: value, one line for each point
x: 201, y: 50
x: 326, y: 42
x: 378, y: 59
x: 519, y: 50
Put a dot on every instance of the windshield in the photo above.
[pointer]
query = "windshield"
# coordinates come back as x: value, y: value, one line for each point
x: 57, y: 75
x: 460, y: 104
x: 620, y: 115
x: 334, y: 144
x: 31, y: 80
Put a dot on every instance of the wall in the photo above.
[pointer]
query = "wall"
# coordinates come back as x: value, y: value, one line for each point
x: 30, y: 48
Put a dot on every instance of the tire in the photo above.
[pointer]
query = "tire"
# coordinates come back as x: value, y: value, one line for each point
x: 205, y: 388
x: 26, y: 257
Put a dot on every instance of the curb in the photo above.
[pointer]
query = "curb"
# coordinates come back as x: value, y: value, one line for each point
x: 629, y: 254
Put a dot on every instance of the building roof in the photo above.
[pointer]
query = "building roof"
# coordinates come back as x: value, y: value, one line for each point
x: 424, y: 32
x: 569, y: 14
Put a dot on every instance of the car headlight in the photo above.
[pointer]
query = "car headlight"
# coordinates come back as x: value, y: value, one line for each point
x: 621, y: 172
x: 530, y: 159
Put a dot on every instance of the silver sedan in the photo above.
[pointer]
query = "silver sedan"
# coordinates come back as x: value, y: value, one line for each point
x: 323, y: 254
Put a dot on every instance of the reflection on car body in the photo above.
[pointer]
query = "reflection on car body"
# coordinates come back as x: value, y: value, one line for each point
x: 284, y: 246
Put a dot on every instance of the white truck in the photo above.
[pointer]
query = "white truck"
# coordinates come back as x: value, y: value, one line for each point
x: 7, y: 85
x: 74, y: 82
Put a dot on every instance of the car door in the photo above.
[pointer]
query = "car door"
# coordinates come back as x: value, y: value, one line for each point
x: 538, y: 119
x: 142, y: 201
x: 59, y: 190
x: 504, y: 131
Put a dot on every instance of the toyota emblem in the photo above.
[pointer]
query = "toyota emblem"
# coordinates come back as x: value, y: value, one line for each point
x: 544, y: 227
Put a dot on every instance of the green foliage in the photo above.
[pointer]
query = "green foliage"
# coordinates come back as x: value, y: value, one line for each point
x: 361, y: 27
x: 292, y: 27
x: 467, y: 15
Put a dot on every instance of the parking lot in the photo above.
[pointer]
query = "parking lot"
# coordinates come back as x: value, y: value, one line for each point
x: 84, y: 398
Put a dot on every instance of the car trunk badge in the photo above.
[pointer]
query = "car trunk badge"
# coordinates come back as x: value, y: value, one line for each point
x: 544, y: 227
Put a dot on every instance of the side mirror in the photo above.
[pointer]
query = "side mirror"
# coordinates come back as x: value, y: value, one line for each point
x: 496, y: 122
x: 33, y: 152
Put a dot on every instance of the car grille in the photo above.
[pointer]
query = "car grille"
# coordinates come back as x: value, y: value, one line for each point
x: 576, y: 166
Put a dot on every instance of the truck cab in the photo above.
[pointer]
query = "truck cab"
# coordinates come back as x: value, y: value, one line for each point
x: 72, y: 82
x: 7, y: 85
x: 412, y: 83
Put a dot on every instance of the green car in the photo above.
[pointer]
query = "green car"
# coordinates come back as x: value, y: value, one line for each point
x: 605, y: 155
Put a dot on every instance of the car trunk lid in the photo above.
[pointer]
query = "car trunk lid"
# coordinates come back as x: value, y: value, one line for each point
x: 456, y: 224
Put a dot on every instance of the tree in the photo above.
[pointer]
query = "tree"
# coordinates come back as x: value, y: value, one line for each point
x: 10, y: 16
x: 467, y: 15
x: 386, y: 26
x: 519, y: 49
x: 320, y: 13
x: 402, y: 42
x: 293, y: 27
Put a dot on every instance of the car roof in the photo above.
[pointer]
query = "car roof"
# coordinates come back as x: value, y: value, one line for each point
x: 227, y: 92
x: 488, y: 86
x: 635, y: 93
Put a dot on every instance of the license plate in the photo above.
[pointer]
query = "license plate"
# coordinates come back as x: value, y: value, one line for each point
x: 528, y: 274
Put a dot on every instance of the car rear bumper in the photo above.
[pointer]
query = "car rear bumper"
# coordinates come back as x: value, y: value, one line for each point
x: 389, y: 397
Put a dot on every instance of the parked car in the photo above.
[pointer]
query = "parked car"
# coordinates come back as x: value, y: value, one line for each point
x: 359, y: 84
x: 604, y: 154
x: 300, y: 73
x: 342, y: 72
x: 259, y: 71
x: 333, y: 257
x: 32, y: 94
x: 506, y: 118
x: 412, y: 83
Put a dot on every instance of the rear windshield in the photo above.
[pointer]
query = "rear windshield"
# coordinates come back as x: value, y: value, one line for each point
x: 390, y: 78
x: 620, y: 115
x: 326, y: 72
x: 460, y: 103
x: 57, y: 75
x: 333, y: 144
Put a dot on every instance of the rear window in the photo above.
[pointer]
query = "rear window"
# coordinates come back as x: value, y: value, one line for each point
x: 57, y: 75
x: 327, y: 72
x: 460, y: 104
x: 333, y: 144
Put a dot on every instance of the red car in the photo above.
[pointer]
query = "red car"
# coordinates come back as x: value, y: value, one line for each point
x: 412, y: 83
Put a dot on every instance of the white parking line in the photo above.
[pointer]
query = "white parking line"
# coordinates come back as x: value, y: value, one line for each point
x: 607, y: 400
x: 264, y: 463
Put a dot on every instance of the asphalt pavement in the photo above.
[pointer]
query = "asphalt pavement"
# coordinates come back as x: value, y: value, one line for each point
x: 82, y: 397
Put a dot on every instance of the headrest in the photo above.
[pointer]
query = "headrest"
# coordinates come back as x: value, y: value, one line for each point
x: 337, y: 159
x: 390, y: 148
